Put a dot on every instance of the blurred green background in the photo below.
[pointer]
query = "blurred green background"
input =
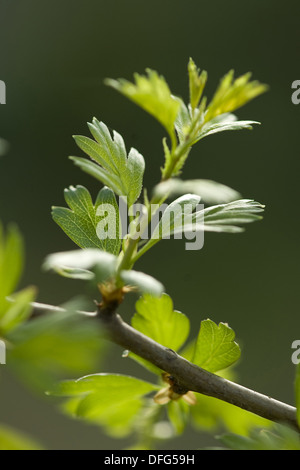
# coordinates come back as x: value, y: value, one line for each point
x: 53, y: 59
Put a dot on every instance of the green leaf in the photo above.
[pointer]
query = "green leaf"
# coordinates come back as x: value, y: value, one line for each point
x: 55, y: 346
x: 143, y: 282
x: 197, y: 83
x: 151, y: 93
x: 82, y: 221
x: 215, y: 348
x: 209, y: 191
x: 89, y: 263
x: 232, y: 93
x: 19, y: 310
x: 10, y: 439
x: 178, y: 413
x: 224, y: 122
x: 11, y: 263
x: 211, y: 414
x: 279, y: 437
x: 111, y: 165
x: 110, y: 400
x: 173, y: 219
x: 156, y: 318
x: 229, y: 217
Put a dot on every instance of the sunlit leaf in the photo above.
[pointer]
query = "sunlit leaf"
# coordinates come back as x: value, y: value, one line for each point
x: 143, y: 282
x: 156, y: 318
x: 19, y: 310
x: 82, y: 221
x: 54, y: 346
x: 89, y: 263
x: 110, y: 400
x: 210, y: 191
x: 151, y: 93
x: 111, y: 165
x: 215, y: 348
x: 11, y: 263
x: 279, y: 437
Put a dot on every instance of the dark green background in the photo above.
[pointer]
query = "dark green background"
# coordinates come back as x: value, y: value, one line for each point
x: 53, y: 58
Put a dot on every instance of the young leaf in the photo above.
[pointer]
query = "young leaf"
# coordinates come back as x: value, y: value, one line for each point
x: 279, y: 437
x: 111, y: 165
x: 110, y: 400
x: 209, y: 191
x: 197, y: 83
x: 156, y: 318
x: 143, y: 282
x: 151, y: 93
x: 224, y: 122
x: 55, y: 346
x: 88, y: 263
x: 215, y: 348
x: 82, y: 221
x: 228, y: 217
x: 19, y: 309
x: 178, y: 413
x: 232, y: 93
x: 11, y: 263
x: 173, y: 219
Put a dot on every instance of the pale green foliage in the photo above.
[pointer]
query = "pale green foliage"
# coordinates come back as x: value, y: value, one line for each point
x: 102, y: 398
x: 110, y: 400
x: 156, y: 318
x: 55, y: 346
x: 279, y: 437
x: 209, y: 191
x: 67, y: 344
x: 151, y: 93
x: 100, y: 266
x: 122, y: 173
x: 81, y: 220
x: 16, y: 309
x: 142, y: 282
x: 197, y: 82
x: 215, y: 348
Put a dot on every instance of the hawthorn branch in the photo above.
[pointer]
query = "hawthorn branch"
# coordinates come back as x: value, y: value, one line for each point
x: 188, y: 376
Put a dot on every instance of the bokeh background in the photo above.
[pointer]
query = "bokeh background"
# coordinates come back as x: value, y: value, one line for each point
x: 54, y: 57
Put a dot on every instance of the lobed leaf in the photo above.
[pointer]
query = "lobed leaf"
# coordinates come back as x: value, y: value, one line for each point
x: 110, y: 400
x: 82, y: 220
x: 215, y: 348
x: 143, y: 282
x: 228, y: 217
x: 151, y: 93
x: 111, y: 165
x: 55, y: 346
x: 209, y: 191
x: 157, y: 319
x: 89, y: 263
